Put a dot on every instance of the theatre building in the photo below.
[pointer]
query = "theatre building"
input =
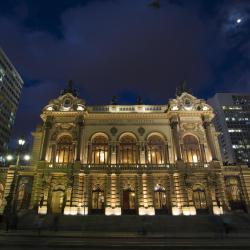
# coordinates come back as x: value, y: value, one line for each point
x: 126, y: 159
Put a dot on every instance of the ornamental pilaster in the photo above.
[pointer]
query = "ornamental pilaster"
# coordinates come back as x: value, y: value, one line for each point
x: 46, y: 132
x: 175, y: 132
x: 209, y: 135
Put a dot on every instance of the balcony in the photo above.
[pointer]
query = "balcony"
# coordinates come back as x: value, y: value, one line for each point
x: 128, y: 167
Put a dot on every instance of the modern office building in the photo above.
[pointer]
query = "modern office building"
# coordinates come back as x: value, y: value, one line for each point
x: 10, y: 89
x: 126, y: 159
x: 232, y: 120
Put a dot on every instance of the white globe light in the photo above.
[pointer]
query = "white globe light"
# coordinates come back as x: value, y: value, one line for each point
x: 9, y: 157
x: 26, y: 157
x: 238, y: 20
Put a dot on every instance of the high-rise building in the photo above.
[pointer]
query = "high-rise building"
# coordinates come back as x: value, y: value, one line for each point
x: 10, y: 89
x: 232, y: 120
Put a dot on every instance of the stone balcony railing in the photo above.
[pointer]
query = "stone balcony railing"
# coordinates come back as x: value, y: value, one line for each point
x: 126, y: 167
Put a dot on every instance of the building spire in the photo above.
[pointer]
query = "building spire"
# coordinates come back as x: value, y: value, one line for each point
x: 69, y: 89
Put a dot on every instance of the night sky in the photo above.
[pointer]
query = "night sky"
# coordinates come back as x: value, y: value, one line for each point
x: 124, y: 48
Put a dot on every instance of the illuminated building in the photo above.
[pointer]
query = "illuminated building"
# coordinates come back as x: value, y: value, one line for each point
x: 127, y: 159
x: 10, y: 89
x: 232, y: 120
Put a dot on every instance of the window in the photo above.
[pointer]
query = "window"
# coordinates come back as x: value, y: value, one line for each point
x: 191, y: 149
x: 155, y: 150
x: 128, y: 150
x: 64, y: 152
x: 100, y: 150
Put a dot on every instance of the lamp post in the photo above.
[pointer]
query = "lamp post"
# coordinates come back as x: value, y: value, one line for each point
x: 10, y: 207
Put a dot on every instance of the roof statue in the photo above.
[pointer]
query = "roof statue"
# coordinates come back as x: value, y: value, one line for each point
x: 139, y: 100
x: 69, y: 89
x: 182, y: 88
x: 114, y: 100
x: 155, y: 4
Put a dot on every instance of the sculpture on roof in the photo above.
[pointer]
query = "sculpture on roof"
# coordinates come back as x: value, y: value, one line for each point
x: 69, y: 89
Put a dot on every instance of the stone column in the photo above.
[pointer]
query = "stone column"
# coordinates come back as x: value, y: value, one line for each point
x: 220, y: 193
x: 114, y: 199
x: 209, y: 136
x: 118, y: 191
x: 75, y: 194
x: 142, y: 155
x: 139, y: 194
x: 86, y: 194
x: 79, y: 139
x: 108, y: 209
x: 177, y: 209
x: 47, y: 127
x: 175, y: 133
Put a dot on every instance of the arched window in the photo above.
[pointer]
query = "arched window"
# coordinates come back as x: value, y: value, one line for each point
x: 99, y: 150
x: 1, y: 194
x: 199, y: 198
x: 65, y: 150
x: 155, y: 150
x: 128, y: 150
x: 191, y: 149
x: 160, y: 197
x: 233, y: 193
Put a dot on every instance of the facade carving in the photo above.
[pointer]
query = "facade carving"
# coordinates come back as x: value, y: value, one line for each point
x: 126, y: 159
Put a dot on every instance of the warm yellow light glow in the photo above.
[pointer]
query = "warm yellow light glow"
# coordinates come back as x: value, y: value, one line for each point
x: 195, y: 158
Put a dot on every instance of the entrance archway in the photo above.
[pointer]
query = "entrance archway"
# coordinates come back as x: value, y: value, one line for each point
x: 200, y: 200
x: 57, y: 201
x: 97, y: 201
x: 129, y: 206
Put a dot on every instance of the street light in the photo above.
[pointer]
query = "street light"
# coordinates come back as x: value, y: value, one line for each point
x: 11, y: 207
x: 26, y: 157
x: 9, y: 157
x: 21, y: 142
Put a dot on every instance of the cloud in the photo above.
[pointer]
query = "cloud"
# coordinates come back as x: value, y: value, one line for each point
x: 110, y: 48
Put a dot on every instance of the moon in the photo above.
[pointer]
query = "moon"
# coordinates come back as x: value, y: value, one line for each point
x: 239, y: 20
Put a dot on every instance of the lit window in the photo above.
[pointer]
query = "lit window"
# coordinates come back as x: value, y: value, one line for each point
x: 155, y: 150
x: 99, y: 150
x: 128, y: 150
x: 191, y: 149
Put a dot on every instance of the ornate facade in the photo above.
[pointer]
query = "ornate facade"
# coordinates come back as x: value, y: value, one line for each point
x: 126, y: 159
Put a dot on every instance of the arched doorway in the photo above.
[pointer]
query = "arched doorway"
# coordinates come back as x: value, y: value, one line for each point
x: 97, y: 201
x: 129, y: 201
x: 57, y: 201
x: 200, y: 200
x: 234, y: 194
x: 160, y: 199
